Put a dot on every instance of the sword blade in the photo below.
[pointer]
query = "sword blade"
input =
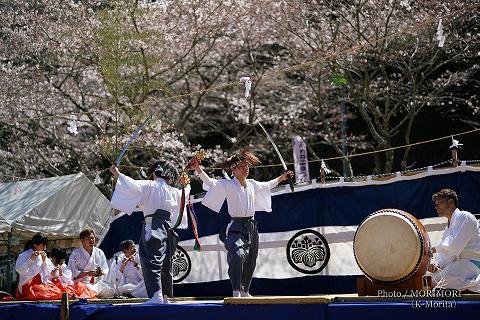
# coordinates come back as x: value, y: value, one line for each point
x: 274, y: 146
x: 290, y: 182
x: 134, y: 135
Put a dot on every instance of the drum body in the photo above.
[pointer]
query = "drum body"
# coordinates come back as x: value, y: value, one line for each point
x: 391, y: 246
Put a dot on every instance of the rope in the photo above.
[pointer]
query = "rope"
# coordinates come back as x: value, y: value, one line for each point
x: 355, y: 155
x: 441, y: 281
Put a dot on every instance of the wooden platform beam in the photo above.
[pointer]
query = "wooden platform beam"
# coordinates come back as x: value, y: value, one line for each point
x: 280, y: 300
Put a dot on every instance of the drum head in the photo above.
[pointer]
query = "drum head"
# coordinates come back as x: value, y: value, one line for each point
x: 387, y: 246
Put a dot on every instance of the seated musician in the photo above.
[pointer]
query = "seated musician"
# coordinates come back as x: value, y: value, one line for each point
x: 456, y: 263
x: 128, y: 271
x: 88, y: 264
x: 34, y: 267
x: 62, y: 277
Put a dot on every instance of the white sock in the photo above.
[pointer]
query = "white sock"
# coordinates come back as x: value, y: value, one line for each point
x: 244, y: 294
x: 236, y: 294
x: 156, y: 299
x: 165, y: 299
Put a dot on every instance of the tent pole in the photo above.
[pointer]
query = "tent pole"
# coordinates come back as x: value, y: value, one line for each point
x: 9, y: 262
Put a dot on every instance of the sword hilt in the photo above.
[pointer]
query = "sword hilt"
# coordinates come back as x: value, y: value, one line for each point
x: 108, y: 176
x: 290, y: 182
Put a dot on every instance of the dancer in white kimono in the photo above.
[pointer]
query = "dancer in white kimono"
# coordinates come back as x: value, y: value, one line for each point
x: 88, y: 264
x: 456, y: 263
x: 161, y: 208
x: 128, y: 271
x: 244, y: 197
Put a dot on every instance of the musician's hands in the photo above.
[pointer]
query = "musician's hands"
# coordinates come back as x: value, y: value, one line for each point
x: 98, y: 272
x: 34, y: 255
x: 285, y: 176
x: 125, y: 261
x: 60, y: 272
x: 86, y: 274
x: 124, y: 264
x: 114, y: 170
x: 42, y: 255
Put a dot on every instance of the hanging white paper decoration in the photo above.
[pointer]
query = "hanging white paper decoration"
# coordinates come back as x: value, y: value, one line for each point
x: 72, y: 125
x: 248, y: 85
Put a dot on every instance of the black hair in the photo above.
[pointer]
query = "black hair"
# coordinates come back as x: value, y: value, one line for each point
x: 58, y: 254
x: 86, y: 233
x: 237, y: 158
x: 38, y: 238
x: 446, y: 194
x: 125, y: 244
x: 165, y: 170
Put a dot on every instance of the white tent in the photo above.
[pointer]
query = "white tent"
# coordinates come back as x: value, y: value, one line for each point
x: 58, y: 206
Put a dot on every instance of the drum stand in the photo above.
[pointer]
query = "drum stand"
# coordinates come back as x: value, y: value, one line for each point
x: 366, y: 287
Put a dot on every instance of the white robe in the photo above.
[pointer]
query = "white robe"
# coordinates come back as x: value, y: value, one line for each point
x: 28, y: 268
x: 130, y: 281
x: 242, y: 202
x: 80, y: 260
x: 151, y: 195
x: 65, y: 278
x: 459, y: 246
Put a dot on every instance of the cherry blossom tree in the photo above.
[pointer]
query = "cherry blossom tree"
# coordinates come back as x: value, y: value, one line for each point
x: 382, y: 76
x: 344, y: 75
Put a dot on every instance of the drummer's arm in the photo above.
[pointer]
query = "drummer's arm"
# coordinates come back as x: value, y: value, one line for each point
x: 433, y: 267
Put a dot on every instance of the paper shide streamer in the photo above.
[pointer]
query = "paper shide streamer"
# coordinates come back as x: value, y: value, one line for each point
x: 248, y: 85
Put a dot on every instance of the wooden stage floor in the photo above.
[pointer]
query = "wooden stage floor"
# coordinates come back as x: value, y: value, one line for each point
x: 312, y: 307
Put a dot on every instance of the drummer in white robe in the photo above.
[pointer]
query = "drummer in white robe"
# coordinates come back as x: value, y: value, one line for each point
x: 456, y: 263
x: 244, y: 197
x: 161, y: 204
x: 128, y: 271
x: 88, y: 264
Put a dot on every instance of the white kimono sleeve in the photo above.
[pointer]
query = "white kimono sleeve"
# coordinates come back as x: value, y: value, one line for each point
x: 114, y: 271
x: 453, y: 244
x: 27, y: 267
x: 128, y: 193
x: 216, y: 192
x: 263, y: 194
x: 103, y: 261
x: 72, y: 264
x: 67, y: 276
x: 176, y: 208
x: 47, y: 268
x: 207, y: 182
